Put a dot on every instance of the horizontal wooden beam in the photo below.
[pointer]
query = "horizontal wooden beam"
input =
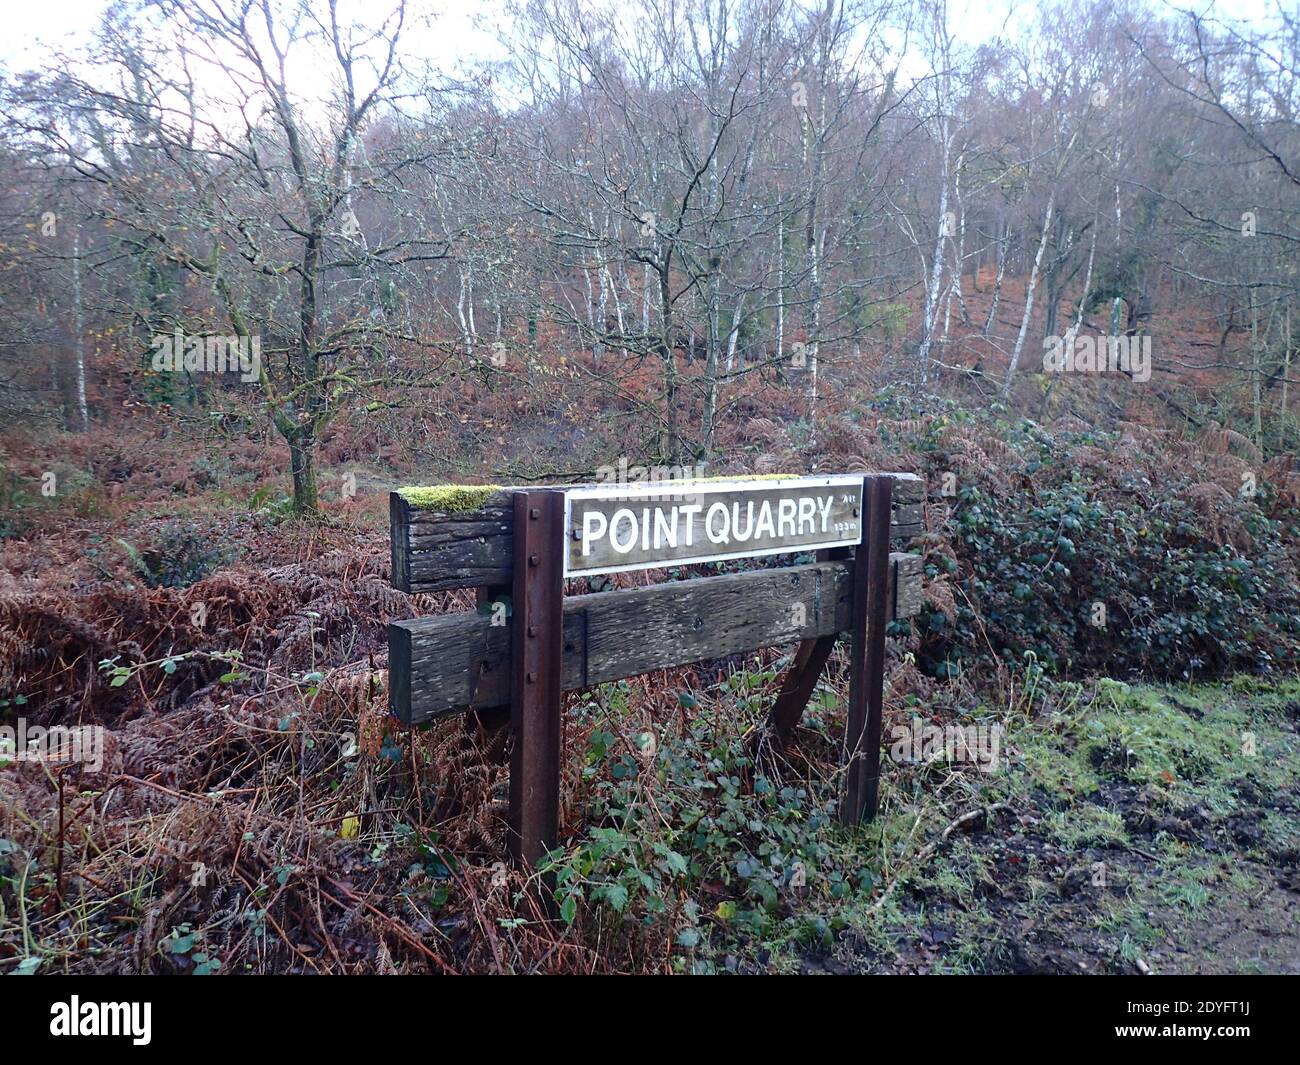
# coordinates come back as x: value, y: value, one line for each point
x: 454, y: 662
x: 435, y: 550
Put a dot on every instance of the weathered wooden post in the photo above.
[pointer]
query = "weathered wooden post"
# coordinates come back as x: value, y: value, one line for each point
x: 537, y: 642
x: 867, y: 655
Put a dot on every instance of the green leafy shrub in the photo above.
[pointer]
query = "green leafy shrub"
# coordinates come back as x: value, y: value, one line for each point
x: 181, y: 556
x: 15, y: 507
x: 721, y: 849
x: 1113, y: 568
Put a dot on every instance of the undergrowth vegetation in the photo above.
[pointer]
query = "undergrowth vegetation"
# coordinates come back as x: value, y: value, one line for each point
x: 182, y: 556
x: 258, y: 810
x: 1133, y: 552
x: 721, y: 862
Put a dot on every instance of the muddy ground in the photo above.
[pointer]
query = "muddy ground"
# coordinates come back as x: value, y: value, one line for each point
x: 1155, y: 830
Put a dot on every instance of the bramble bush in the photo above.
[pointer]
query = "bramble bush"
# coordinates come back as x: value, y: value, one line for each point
x: 692, y: 840
x: 1143, y: 564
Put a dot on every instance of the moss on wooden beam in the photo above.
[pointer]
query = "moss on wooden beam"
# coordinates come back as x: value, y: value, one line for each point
x: 449, y: 498
x: 459, y: 498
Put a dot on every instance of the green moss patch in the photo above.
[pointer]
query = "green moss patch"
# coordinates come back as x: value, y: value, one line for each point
x: 449, y: 498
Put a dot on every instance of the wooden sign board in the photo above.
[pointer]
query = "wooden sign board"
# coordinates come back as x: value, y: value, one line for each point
x: 456, y: 536
x: 524, y: 543
x: 615, y: 528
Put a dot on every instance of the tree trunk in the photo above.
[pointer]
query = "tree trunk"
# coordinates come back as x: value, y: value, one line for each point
x: 958, y: 256
x: 814, y: 320
x: 1029, y: 295
x: 1073, y: 332
x: 780, y: 288
x: 733, y: 334
x: 618, y: 310
x: 673, y: 444
x: 712, y: 352
x: 466, y: 326
x: 812, y: 161
x: 71, y: 364
x: 645, y: 300
x: 930, y: 312
x: 1256, y: 392
x: 1286, y: 376
x: 306, y: 493
x: 1003, y: 241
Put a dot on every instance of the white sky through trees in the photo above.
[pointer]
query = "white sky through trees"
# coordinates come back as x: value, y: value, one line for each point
x: 462, y: 31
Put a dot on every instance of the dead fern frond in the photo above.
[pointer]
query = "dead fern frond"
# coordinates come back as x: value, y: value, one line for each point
x: 1219, y: 439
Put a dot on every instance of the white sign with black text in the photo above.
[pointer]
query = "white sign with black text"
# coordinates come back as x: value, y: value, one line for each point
x: 614, y: 528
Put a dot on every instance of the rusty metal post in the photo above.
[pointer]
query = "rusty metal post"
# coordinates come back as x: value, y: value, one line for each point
x: 867, y: 654
x: 537, y: 641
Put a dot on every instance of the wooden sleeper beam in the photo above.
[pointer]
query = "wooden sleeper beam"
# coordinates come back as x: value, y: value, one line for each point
x: 454, y: 662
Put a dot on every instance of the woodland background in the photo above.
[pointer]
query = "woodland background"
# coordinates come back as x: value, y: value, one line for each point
x: 760, y: 236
